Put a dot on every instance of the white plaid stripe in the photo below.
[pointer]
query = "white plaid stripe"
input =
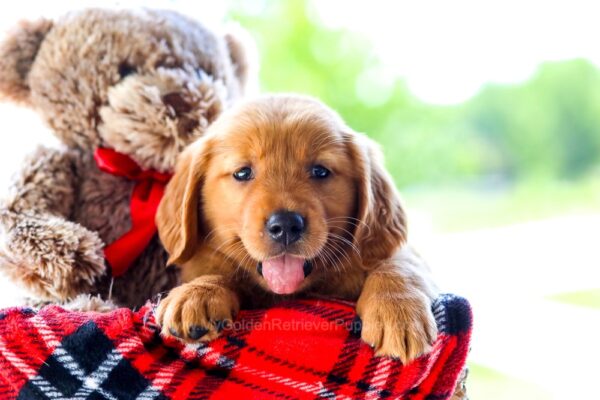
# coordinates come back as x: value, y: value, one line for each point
x: 149, y: 393
x: 17, y: 362
x: 316, y: 389
x: 326, y: 393
x: 377, y: 382
x: 47, y: 388
x: 90, y: 383
x: 52, y: 341
x: 162, y: 379
x: 440, y: 314
x: 164, y: 376
x: 42, y: 384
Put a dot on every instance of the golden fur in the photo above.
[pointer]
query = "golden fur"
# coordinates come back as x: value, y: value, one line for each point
x: 213, y: 225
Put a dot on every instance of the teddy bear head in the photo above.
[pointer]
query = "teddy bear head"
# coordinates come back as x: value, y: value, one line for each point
x: 144, y: 83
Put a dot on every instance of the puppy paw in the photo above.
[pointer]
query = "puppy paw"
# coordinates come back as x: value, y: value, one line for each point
x: 197, y: 310
x: 397, y: 326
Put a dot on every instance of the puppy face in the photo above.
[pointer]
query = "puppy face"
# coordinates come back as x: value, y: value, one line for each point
x: 279, y: 187
x: 285, y: 190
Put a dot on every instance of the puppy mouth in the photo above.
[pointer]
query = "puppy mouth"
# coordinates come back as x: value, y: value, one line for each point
x: 284, y: 273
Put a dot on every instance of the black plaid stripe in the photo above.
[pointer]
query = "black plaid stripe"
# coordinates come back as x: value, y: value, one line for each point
x: 236, y: 343
x: 90, y: 359
x: 339, y: 373
x: 6, y: 391
x: 391, y: 381
x: 363, y: 386
x: 166, y: 356
x: 452, y: 314
x: 260, y: 389
x: 98, y: 373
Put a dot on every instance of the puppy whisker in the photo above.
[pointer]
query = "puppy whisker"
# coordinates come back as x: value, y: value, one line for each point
x: 237, y: 249
x: 219, y: 248
x: 233, y: 253
x: 331, y: 253
x: 352, y: 221
x: 345, y: 241
x: 338, y: 251
x: 224, y: 229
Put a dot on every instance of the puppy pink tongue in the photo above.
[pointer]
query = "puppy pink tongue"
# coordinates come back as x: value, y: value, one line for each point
x: 283, y: 274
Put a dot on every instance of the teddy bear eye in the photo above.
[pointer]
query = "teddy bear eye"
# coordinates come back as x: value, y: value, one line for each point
x: 126, y: 69
x: 201, y: 74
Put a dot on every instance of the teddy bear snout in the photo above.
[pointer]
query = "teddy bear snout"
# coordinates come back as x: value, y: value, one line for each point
x: 154, y: 116
x: 177, y: 103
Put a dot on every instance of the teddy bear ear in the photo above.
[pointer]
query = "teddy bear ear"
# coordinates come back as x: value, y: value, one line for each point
x: 17, y: 54
x: 244, y: 56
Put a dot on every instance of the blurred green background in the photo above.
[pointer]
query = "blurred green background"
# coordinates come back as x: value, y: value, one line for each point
x: 509, y: 154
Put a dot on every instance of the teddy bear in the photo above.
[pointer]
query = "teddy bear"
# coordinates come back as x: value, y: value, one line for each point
x: 124, y: 91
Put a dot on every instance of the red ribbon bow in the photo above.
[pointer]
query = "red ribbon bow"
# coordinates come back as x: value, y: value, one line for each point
x: 146, y: 195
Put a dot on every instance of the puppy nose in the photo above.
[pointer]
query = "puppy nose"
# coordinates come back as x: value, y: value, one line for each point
x: 177, y: 102
x: 285, y: 227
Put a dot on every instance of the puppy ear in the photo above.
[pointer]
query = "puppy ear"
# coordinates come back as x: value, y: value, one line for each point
x: 244, y: 56
x: 17, y: 54
x: 178, y: 216
x: 381, y: 226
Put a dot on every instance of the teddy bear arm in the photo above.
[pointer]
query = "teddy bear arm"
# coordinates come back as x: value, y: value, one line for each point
x: 46, y: 184
x: 53, y: 257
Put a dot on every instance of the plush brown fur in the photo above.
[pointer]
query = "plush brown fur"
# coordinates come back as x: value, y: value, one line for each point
x: 145, y: 83
x: 213, y: 226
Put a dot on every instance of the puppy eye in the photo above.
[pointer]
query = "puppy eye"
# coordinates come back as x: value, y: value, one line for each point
x: 319, y: 172
x: 243, y: 174
x: 126, y: 69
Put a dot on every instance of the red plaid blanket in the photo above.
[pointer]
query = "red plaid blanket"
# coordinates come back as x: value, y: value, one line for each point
x: 306, y: 349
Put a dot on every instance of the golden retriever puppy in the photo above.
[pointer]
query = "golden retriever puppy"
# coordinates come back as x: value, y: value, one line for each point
x: 279, y: 199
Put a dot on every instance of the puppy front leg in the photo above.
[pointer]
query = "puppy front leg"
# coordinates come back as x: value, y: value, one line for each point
x: 395, y: 308
x: 198, y: 310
